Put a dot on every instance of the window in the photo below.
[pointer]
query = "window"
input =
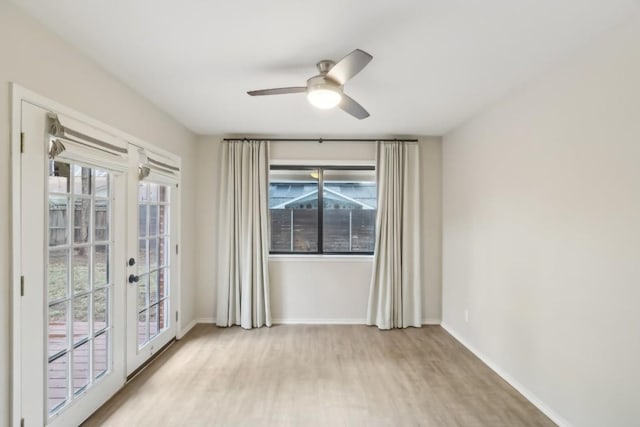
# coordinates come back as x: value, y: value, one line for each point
x: 340, y: 219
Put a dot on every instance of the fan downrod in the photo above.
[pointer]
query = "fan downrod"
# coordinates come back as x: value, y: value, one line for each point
x: 325, y: 65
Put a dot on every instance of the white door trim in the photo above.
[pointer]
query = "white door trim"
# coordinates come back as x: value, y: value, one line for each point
x: 18, y: 95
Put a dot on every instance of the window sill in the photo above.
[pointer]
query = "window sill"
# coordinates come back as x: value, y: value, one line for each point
x: 320, y: 258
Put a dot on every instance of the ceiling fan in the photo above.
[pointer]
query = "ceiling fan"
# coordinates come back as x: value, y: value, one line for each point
x: 325, y: 90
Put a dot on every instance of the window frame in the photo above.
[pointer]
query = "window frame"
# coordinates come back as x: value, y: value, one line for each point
x: 320, y: 168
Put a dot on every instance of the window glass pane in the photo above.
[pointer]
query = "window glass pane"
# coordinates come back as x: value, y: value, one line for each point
x: 81, y: 369
x: 293, y: 207
x: 57, y: 340
x: 102, y: 220
x: 80, y: 262
x: 363, y: 230
x: 349, y: 210
x: 59, y: 177
x: 305, y: 230
x: 101, y: 263
x: 57, y: 273
x: 81, y: 180
x: 81, y: 220
x: 57, y: 382
x: 100, y: 355
x: 58, y: 220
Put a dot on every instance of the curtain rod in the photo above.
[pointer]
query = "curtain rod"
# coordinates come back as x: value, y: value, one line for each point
x: 321, y: 140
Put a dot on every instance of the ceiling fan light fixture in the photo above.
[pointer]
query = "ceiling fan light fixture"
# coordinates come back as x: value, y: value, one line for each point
x: 324, y: 97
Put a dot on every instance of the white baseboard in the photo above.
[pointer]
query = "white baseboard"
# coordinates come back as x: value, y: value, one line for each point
x: 531, y: 397
x: 193, y: 323
x: 428, y: 321
x: 318, y: 321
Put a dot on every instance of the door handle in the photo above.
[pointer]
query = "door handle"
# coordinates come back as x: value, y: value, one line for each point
x: 133, y: 278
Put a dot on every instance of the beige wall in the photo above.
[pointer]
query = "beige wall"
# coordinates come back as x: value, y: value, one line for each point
x: 541, y: 234
x: 35, y: 58
x: 320, y: 288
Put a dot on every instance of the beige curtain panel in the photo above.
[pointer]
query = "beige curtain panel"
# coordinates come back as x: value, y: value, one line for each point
x: 395, y: 294
x: 243, y: 284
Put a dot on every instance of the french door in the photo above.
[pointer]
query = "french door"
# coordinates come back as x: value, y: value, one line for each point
x: 152, y: 316
x: 98, y: 260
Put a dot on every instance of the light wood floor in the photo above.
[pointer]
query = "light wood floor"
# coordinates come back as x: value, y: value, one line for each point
x: 318, y: 376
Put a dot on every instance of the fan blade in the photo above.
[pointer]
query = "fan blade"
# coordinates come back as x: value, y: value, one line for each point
x: 349, y: 66
x: 278, y: 91
x: 350, y: 106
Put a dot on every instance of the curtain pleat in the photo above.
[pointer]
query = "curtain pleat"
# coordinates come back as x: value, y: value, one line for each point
x: 395, y: 299
x: 243, y: 283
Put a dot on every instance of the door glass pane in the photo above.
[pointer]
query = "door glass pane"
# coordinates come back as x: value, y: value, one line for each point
x: 100, y: 356
x: 163, y: 219
x: 142, y: 328
x: 153, y: 192
x: 78, y: 346
x: 80, y: 317
x: 58, y: 220
x: 102, y: 183
x: 143, y: 262
x: 81, y: 220
x: 57, y: 273
x: 81, y: 367
x: 153, y: 254
x: 59, y: 177
x: 163, y: 193
x: 163, y: 282
x: 163, y: 251
x: 81, y: 180
x: 100, y: 305
x: 153, y: 287
x: 101, y: 222
x: 57, y: 338
x: 153, y: 321
x: 143, y: 291
x: 57, y: 382
x: 101, y: 263
x: 153, y: 220
x: 162, y: 314
x: 142, y: 220
x: 80, y: 263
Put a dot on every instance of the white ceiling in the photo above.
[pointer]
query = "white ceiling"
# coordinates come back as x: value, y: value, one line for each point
x: 435, y: 62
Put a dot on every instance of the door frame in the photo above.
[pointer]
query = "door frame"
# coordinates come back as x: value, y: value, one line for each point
x: 19, y: 94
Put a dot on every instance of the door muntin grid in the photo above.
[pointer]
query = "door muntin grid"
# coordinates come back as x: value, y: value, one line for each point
x: 154, y: 258
x: 78, y: 279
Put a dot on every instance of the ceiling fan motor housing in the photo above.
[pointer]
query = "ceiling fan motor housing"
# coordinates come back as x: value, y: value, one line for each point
x: 323, y: 82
